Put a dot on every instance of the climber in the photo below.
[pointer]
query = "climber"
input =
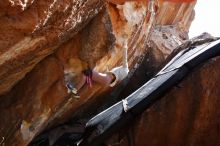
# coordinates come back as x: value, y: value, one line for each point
x: 110, y: 78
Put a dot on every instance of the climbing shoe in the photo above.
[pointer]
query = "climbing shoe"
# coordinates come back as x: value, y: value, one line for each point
x: 72, y: 90
x: 70, y: 85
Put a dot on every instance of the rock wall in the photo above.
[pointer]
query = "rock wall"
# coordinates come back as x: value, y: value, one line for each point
x: 39, y: 37
x: 30, y: 33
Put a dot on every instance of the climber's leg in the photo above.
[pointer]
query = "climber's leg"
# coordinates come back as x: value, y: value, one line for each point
x: 80, y: 81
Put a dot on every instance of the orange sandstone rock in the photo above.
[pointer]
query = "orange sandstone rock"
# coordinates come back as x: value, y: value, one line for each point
x: 39, y: 37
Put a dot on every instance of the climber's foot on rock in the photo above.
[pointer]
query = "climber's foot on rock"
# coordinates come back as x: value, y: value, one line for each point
x: 71, y: 89
x: 73, y: 92
x: 70, y: 85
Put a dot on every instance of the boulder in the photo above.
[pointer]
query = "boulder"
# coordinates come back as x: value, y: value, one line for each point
x: 39, y: 37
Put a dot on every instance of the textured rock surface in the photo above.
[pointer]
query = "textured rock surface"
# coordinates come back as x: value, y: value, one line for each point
x: 30, y: 34
x: 39, y: 37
